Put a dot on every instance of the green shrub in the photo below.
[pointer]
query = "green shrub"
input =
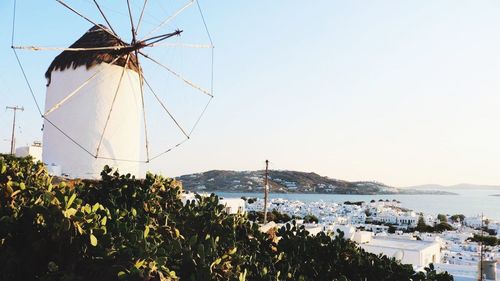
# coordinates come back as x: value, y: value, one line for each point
x: 485, y: 239
x: 122, y: 228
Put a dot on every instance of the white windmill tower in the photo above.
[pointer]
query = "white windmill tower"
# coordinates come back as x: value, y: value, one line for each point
x: 94, y: 111
x: 105, y: 115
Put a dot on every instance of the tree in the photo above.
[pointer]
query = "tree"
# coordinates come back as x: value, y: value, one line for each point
x: 421, y: 225
x: 442, y: 226
x: 442, y: 218
x: 392, y: 229
x: 485, y: 239
x: 457, y: 218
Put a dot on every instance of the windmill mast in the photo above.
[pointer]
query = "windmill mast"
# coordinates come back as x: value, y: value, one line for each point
x: 13, y: 138
x: 266, y: 191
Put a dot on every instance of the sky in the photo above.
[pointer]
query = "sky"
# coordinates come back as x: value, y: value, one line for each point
x: 399, y: 92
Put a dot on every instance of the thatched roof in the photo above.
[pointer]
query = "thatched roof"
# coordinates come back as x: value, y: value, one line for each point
x: 94, y: 37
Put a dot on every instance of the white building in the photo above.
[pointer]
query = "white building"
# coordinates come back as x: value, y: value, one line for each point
x: 409, y: 219
x: 362, y: 237
x: 474, y: 222
x: 233, y: 205
x: 417, y: 253
x: 387, y: 217
x: 90, y: 121
x: 34, y: 150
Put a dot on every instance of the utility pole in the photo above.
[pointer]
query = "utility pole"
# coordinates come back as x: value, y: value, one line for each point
x: 13, y: 139
x: 481, y: 251
x: 266, y: 191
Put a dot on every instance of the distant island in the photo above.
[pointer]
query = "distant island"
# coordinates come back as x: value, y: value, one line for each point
x: 284, y: 181
x: 461, y: 186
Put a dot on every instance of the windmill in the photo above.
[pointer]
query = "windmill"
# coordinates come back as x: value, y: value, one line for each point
x: 99, y: 89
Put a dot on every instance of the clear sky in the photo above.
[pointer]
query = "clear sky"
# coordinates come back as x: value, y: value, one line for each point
x: 401, y: 92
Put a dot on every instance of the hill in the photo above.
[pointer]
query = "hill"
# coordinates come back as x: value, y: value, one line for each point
x: 283, y: 181
x: 461, y: 186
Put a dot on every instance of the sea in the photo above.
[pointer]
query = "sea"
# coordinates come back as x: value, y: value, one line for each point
x: 466, y: 202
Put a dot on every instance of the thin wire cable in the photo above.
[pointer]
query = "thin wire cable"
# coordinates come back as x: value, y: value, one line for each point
x: 169, y: 19
x: 13, y: 24
x: 70, y: 138
x: 104, y: 16
x: 182, y: 45
x: 165, y: 108
x: 199, y: 117
x: 112, y: 104
x: 40, y: 48
x: 122, y: 160
x: 117, y: 12
x: 89, y: 20
x: 204, y: 22
x: 28, y: 83
x: 140, y: 17
x: 190, y: 83
x: 212, y: 72
x: 74, y: 92
x: 131, y: 21
x: 211, y: 66
x: 170, y: 149
x: 213, y: 47
x: 141, y: 80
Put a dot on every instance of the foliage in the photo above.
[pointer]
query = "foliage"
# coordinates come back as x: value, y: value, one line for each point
x: 431, y: 274
x: 392, y: 229
x: 310, y: 219
x: 457, y: 218
x: 421, y: 225
x: 251, y: 200
x: 129, y: 229
x: 358, y: 203
x: 440, y: 227
x: 274, y: 215
x: 485, y: 239
x: 442, y: 218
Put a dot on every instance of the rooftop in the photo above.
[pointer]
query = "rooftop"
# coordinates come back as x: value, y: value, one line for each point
x: 412, y: 245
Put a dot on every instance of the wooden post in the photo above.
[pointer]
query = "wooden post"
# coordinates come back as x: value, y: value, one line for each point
x: 13, y: 139
x: 481, y: 251
x: 266, y: 191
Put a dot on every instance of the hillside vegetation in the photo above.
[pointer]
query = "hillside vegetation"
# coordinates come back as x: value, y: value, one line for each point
x: 286, y: 181
x: 122, y: 228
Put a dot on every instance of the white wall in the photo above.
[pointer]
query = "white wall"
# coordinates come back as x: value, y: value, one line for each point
x: 233, y: 205
x: 420, y: 256
x: 83, y: 118
x: 32, y: 150
x: 409, y: 256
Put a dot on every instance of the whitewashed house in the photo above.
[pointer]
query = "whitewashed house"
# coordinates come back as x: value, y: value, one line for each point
x: 417, y: 253
x: 474, y: 222
x: 34, y: 150
x: 233, y: 205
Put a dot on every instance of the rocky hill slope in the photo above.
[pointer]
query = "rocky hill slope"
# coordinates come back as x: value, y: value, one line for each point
x: 285, y: 182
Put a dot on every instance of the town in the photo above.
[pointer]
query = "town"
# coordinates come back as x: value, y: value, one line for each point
x: 450, y: 242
